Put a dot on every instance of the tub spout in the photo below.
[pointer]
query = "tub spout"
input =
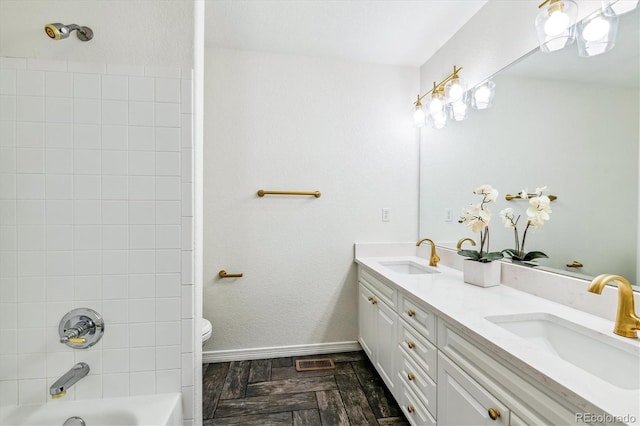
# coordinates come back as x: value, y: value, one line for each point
x: 68, y: 379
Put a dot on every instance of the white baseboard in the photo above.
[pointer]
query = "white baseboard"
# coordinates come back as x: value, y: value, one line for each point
x: 278, y: 352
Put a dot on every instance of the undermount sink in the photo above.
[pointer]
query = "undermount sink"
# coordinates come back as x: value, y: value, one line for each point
x: 408, y: 267
x: 606, y: 357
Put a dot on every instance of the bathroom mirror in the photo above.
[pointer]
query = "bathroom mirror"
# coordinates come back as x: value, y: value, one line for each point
x: 561, y: 121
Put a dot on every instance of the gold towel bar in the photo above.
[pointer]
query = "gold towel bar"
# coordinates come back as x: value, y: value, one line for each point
x: 510, y: 197
x: 262, y: 193
x: 225, y: 274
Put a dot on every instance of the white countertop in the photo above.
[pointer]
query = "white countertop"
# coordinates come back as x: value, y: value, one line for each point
x: 466, y: 306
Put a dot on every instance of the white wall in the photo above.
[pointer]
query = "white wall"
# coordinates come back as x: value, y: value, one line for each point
x: 300, y: 123
x: 125, y: 31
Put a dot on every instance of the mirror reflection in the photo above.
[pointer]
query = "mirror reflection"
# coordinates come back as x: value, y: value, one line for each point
x: 561, y: 121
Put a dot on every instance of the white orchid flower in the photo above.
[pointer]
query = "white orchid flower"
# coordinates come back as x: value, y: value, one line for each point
x: 540, y: 190
x: 539, y: 209
x: 524, y: 194
x: 508, y: 217
x: 490, y: 194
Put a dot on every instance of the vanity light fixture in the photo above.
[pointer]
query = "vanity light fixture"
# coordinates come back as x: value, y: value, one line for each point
x: 449, y: 98
x: 619, y: 7
x: 482, y: 95
x: 597, y: 33
x: 555, y: 24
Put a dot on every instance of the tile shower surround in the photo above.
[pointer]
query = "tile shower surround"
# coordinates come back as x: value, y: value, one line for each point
x: 95, y: 211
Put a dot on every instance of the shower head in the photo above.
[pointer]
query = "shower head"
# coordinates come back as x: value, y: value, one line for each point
x: 58, y: 31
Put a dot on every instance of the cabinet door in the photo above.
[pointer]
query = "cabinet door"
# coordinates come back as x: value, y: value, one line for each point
x: 462, y: 401
x: 386, y: 320
x: 366, y: 320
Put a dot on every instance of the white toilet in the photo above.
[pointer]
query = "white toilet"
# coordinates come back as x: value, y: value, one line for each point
x: 207, y: 330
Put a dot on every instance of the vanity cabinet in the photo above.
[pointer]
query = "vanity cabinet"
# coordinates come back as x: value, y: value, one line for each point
x: 439, y: 372
x: 377, y: 322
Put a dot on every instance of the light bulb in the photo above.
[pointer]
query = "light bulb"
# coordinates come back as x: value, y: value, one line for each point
x: 557, y: 23
x: 419, y: 117
x: 596, y: 29
x: 455, y: 92
x: 482, y: 94
x: 435, y: 106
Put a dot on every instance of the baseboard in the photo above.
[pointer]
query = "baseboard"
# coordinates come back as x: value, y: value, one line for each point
x: 278, y: 352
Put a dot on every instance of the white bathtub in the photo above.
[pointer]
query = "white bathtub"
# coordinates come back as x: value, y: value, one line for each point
x: 162, y: 409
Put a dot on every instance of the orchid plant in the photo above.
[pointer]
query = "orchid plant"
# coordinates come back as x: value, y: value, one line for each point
x: 537, y: 213
x: 477, y: 217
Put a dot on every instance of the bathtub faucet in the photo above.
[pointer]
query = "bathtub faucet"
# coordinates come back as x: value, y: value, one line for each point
x: 68, y: 379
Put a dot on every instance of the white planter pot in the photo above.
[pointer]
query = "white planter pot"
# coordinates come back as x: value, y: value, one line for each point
x: 481, y: 274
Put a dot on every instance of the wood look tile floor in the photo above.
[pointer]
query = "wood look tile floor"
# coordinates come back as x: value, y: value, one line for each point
x: 271, y: 392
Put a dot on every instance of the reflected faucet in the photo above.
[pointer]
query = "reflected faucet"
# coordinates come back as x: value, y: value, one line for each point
x: 68, y: 379
x: 627, y: 322
x: 462, y: 240
x: 433, y: 258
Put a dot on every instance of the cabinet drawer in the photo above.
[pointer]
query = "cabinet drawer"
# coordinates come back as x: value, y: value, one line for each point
x: 414, y: 410
x: 418, y: 317
x: 385, y: 291
x: 414, y: 377
x: 418, y: 348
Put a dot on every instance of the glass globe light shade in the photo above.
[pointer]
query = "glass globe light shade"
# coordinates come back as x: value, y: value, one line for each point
x: 458, y: 110
x: 455, y: 89
x: 436, y: 105
x: 597, y: 34
x: 483, y: 95
x: 555, y: 24
x: 439, y: 120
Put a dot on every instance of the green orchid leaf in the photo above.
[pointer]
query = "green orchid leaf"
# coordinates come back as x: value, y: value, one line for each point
x: 535, y: 255
x: 471, y: 254
x: 489, y: 257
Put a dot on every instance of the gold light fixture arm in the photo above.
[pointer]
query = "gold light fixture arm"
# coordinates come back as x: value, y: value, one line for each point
x: 510, y: 197
x: 439, y: 87
x: 262, y: 193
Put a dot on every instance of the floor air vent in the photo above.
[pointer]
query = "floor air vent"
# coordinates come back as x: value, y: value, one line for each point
x: 314, y: 364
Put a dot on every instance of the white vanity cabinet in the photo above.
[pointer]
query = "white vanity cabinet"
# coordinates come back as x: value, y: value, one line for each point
x: 377, y: 322
x: 440, y: 372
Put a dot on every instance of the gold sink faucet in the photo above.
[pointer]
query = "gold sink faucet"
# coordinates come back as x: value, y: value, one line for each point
x: 627, y: 322
x: 462, y: 240
x: 433, y: 258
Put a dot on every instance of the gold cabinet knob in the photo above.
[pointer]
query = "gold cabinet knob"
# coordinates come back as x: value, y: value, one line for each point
x: 410, y: 408
x: 411, y: 345
x: 370, y: 299
x: 493, y: 413
x: 410, y: 376
x: 411, y: 313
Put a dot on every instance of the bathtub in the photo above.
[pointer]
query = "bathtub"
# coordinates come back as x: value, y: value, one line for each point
x: 162, y: 409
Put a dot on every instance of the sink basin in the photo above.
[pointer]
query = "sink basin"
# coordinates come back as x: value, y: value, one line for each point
x: 408, y: 267
x: 604, y: 356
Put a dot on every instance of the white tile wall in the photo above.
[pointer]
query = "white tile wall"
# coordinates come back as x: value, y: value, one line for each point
x: 95, y: 211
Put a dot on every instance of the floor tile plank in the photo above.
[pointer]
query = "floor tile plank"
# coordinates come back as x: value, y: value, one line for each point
x: 379, y: 397
x: 235, y: 385
x: 260, y: 371
x: 332, y: 411
x: 212, y: 381
x: 354, y: 400
x: 275, y: 419
x: 266, y: 404
x: 282, y: 362
x: 304, y: 384
x: 306, y: 418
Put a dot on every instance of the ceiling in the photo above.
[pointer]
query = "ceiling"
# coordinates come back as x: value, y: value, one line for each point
x: 395, y: 32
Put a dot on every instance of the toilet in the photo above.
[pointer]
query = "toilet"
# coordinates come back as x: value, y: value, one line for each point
x: 207, y: 330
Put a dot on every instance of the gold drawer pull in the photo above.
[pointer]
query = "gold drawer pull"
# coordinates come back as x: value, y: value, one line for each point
x: 411, y: 345
x: 411, y: 313
x: 410, y: 376
x: 372, y: 300
x: 493, y: 413
x: 411, y: 409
